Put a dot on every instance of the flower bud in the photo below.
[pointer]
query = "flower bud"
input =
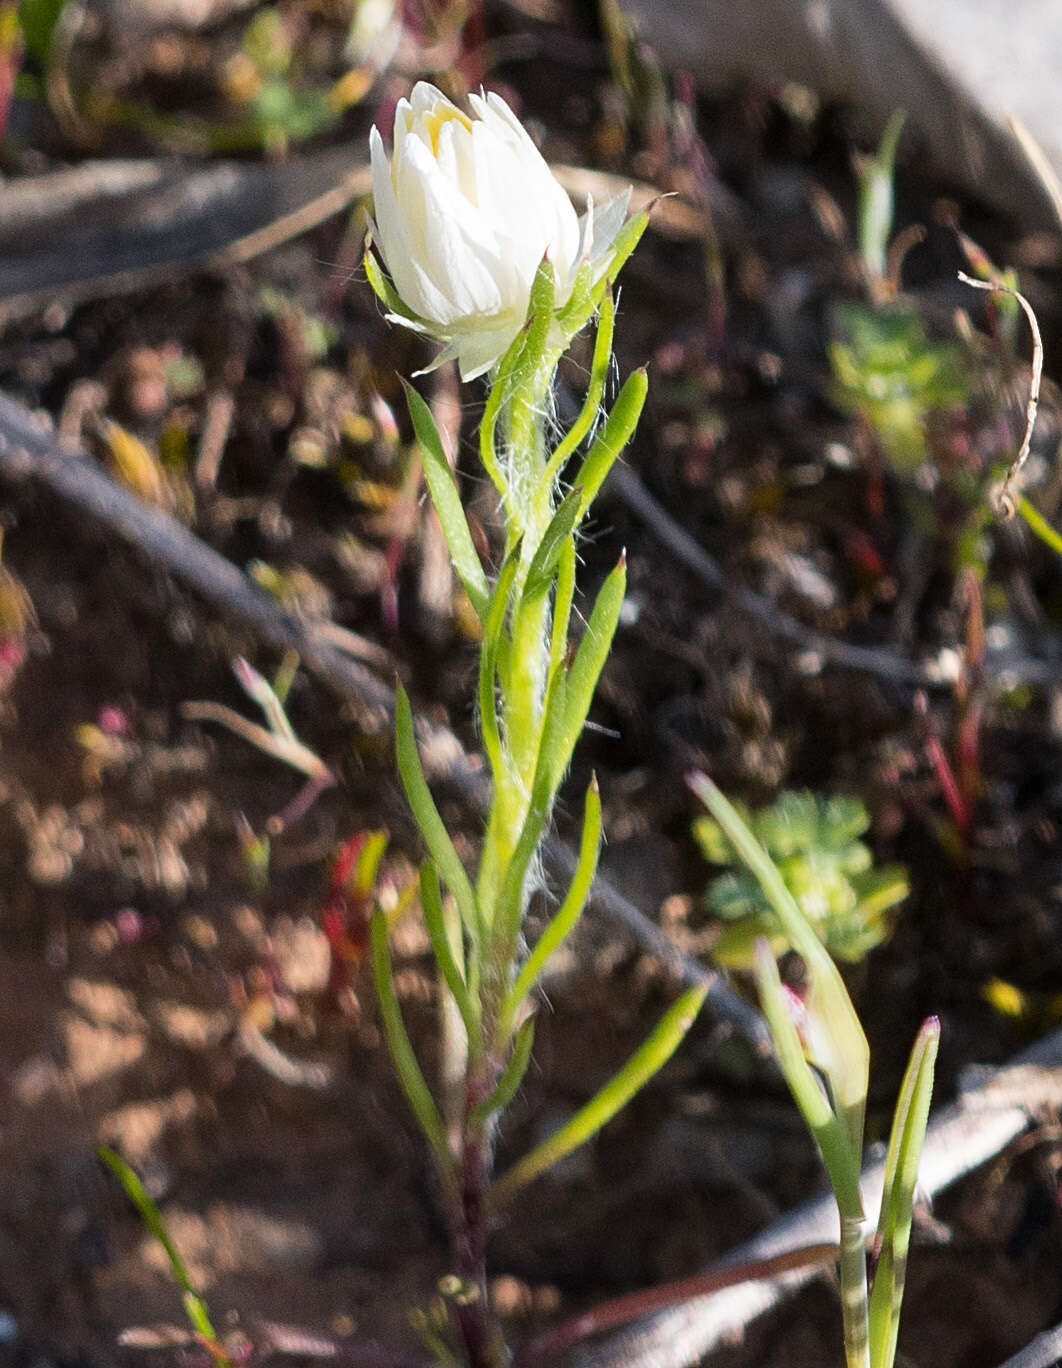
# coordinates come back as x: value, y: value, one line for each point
x: 466, y: 210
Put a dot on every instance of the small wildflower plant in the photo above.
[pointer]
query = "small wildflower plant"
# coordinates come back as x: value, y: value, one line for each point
x: 815, y: 846
x: 825, y: 1060
x: 485, y: 254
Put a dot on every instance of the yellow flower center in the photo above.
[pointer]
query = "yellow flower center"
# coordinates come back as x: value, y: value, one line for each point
x: 434, y: 121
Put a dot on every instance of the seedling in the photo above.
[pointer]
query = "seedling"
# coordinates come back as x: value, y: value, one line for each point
x: 815, y: 846
x: 824, y: 1057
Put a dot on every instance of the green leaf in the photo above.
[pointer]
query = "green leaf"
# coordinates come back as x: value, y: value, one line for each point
x: 426, y: 814
x: 876, y: 199
x: 488, y: 663
x: 614, y: 436
x: 567, y: 915
x: 37, y: 20
x: 845, y: 1054
x: 540, y: 322
x: 897, y: 1201
x: 500, y: 391
x: 512, y: 1075
x: 562, y: 606
x: 594, y: 391
x: 651, y: 1056
x: 842, y: 1166
x: 1039, y: 525
x: 418, y: 1095
x: 589, y: 662
x: 447, y: 501
x: 152, y: 1218
x: 510, y: 907
x: 431, y: 902
x: 548, y: 553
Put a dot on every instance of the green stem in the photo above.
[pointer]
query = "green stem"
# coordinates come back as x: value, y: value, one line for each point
x: 854, y: 1311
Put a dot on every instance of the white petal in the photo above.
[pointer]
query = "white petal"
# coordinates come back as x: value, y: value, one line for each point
x: 448, y: 238
x: 415, y: 289
x: 607, y: 222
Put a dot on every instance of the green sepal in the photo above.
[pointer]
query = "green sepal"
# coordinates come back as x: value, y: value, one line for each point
x: 388, y: 296
x: 594, y: 390
x: 512, y: 1075
x: 417, y: 1092
x: 431, y: 902
x: 426, y: 814
x: 614, y: 436
x: 447, y: 501
x: 648, y: 1059
x: 567, y: 915
x: 897, y: 1199
x: 589, y: 662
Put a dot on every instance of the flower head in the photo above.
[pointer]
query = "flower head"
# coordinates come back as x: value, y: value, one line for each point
x: 466, y: 210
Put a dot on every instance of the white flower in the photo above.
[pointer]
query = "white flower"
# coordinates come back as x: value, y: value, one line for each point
x: 466, y: 210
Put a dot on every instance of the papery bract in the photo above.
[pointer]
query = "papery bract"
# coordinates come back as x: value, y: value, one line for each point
x: 466, y: 209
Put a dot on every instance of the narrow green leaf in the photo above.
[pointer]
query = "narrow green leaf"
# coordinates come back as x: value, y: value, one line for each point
x: 512, y: 1075
x: 876, y: 200
x: 1039, y: 525
x: 594, y: 390
x: 614, y: 436
x: 426, y: 814
x: 897, y: 1200
x: 488, y: 663
x: 650, y: 1056
x: 431, y: 902
x: 447, y: 501
x: 567, y: 915
x: 418, y: 1095
x: 500, y: 392
x: 562, y: 606
x: 195, y: 1308
x: 510, y: 906
x: 580, y: 303
x: 590, y: 661
x: 842, y: 1167
x: 846, y: 1059
x: 367, y: 864
x: 152, y: 1218
x: 544, y: 562
x: 540, y: 322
